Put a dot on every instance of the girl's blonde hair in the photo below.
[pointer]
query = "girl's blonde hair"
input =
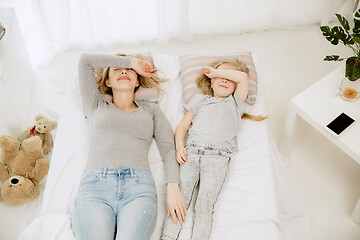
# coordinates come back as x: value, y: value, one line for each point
x: 102, y: 75
x: 203, y: 82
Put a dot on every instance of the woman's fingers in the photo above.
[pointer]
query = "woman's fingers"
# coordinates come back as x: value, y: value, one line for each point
x: 148, y: 67
x: 183, y: 214
x: 179, y: 216
x: 143, y: 67
x: 184, y: 208
x: 173, y: 216
x: 176, y: 204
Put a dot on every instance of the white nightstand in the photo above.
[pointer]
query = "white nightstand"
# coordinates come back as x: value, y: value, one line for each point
x: 318, y: 105
x: 16, y: 77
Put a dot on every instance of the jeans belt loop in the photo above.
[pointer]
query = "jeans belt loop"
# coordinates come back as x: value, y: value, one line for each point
x: 132, y: 172
x: 119, y: 171
x: 104, y: 173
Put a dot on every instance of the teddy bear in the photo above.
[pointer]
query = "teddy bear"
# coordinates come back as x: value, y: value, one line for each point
x: 42, y: 128
x: 21, y: 169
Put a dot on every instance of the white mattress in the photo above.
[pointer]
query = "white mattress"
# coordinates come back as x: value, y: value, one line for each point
x: 261, y: 199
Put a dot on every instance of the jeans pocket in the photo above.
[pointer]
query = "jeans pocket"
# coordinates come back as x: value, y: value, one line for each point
x: 145, y: 179
x: 91, y: 177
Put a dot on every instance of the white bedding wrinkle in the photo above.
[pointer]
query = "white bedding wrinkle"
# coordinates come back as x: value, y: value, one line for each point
x: 261, y: 199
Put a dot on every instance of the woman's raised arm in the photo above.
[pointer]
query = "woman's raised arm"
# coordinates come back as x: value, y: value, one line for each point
x: 88, y: 86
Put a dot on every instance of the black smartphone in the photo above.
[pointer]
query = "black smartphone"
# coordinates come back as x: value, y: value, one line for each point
x: 342, y: 122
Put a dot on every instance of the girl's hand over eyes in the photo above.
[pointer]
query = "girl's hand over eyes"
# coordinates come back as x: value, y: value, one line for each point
x: 208, y: 71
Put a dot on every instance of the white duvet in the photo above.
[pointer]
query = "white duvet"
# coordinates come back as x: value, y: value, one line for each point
x: 261, y: 199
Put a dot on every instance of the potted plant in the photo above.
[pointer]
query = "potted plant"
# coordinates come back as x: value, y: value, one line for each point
x: 350, y: 37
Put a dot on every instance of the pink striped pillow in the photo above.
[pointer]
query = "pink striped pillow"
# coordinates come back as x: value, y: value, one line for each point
x: 190, y: 66
x: 147, y: 94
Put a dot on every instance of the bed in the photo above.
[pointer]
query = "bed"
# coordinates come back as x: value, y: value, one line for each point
x: 261, y: 199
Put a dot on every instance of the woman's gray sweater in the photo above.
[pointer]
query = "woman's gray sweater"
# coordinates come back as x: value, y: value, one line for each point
x: 119, y: 138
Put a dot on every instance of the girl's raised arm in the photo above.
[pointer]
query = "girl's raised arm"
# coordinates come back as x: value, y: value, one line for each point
x: 239, y: 77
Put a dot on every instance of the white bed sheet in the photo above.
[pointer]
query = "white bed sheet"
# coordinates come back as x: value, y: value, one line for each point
x: 262, y: 198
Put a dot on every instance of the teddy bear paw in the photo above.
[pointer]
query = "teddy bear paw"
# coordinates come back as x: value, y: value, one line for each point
x: 9, y: 143
x: 32, y: 144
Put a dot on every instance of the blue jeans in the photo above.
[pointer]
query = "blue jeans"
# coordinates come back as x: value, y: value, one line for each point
x: 115, y: 204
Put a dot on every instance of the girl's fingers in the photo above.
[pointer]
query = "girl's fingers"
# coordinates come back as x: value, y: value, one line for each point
x: 203, y: 70
x: 183, y: 155
x: 180, y: 161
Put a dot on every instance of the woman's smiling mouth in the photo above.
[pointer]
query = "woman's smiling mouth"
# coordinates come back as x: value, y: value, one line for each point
x: 123, y: 78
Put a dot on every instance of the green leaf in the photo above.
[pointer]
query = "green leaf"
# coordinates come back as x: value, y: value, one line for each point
x: 329, y: 35
x: 333, y: 58
x: 356, y: 29
x: 350, y: 40
x: 357, y: 14
x: 340, y: 34
x: 356, y: 38
x: 343, y: 22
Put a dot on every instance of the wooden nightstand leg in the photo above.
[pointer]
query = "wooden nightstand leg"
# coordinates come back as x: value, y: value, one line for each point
x: 355, y: 216
x: 287, y: 139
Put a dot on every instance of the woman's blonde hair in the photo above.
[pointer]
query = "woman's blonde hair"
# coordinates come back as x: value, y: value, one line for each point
x: 102, y: 75
x: 203, y: 82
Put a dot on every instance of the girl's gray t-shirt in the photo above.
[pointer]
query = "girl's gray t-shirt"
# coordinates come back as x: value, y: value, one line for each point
x: 216, y: 121
x: 119, y: 138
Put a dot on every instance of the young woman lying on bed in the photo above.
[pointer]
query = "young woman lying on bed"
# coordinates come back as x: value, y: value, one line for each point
x: 117, y: 194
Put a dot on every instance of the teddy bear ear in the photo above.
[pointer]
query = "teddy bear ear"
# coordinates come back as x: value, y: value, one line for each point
x: 4, y: 174
x: 35, y: 192
x: 54, y: 125
x: 38, y: 117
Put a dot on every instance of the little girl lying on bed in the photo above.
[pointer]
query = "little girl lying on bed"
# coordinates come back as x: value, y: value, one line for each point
x: 212, y: 122
x: 117, y: 195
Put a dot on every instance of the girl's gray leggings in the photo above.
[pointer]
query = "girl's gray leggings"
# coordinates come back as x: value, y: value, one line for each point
x: 206, y: 167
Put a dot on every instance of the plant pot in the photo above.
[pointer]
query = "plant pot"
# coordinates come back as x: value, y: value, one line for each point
x: 352, y: 71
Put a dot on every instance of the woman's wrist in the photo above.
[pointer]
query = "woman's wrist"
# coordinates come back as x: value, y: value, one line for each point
x: 133, y: 62
x: 172, y: 184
